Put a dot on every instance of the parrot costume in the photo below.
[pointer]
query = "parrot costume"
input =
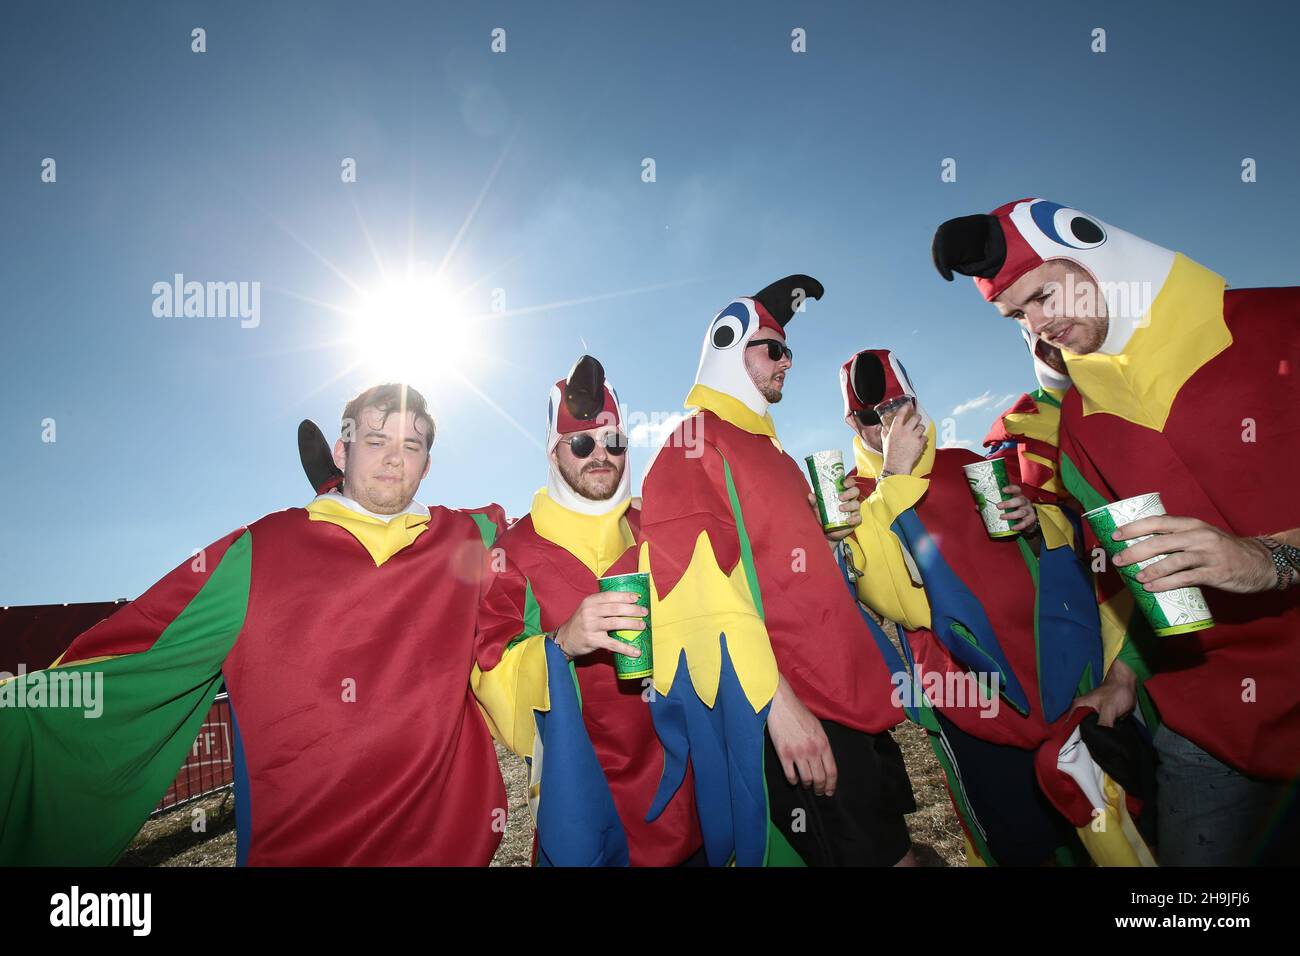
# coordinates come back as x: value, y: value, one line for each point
x: 743, y: 589
x: 1193, y: 393
x: 563, y: 546
x: 345, y: 641
x: 969, y: 604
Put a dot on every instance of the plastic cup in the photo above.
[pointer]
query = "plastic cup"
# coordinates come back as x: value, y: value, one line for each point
x: 987, y: 479
x: 826, y: 470
x: 1180, y: 611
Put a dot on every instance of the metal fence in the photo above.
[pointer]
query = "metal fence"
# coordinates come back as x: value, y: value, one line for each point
x: 210, y: 766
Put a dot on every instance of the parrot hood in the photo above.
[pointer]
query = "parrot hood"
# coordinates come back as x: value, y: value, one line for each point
x: 874, y: 376
x: 1047, y: 376
x: 998, y: 248
x: 722, y: 360
x: 583, y: 400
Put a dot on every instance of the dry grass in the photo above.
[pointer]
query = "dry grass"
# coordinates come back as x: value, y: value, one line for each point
x: 169, y: 840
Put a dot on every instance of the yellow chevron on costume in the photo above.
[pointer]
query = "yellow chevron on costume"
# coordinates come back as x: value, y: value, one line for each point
x: 1183, y: 329
x: 704, y: 604
x: 1044, y: 426
x: 595, y: 540
x: 972, y: 856
x: 1055, y: 527
x: 1112, y: 839
x: 382, y: 539
x: 886, y: 584
x: 1115, y: 615
x: 1052, y: 484
x: 511, y: 692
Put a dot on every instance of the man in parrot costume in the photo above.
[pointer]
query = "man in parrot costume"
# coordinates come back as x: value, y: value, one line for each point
x: 603, y: 761
x: 1016, y: 613
x: 1185, y: 388
x: 344, y: 633
x: 773, y: 684
x: 583, y: 526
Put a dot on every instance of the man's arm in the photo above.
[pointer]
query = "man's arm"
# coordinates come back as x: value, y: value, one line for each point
x: 80, y: 780
x: 509, y: 677
x: 889, y: 583
x: 1201, y: 555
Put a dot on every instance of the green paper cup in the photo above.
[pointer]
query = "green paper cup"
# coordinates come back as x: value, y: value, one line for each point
x: 1180, y: 611
x: 987, y: 479
x: 626, y: 667
x: 826, y: 470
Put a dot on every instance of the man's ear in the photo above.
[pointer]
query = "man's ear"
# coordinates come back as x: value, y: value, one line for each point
x: 340, y: 455
x: 428, y: 460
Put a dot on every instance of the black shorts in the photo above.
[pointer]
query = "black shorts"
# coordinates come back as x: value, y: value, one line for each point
x: 1019, y: 824
x: 862, y: 823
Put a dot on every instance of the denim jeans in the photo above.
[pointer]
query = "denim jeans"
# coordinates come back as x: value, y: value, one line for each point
x: 1209, y: 814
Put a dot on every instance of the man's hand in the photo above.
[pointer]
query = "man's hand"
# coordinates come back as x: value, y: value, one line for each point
x: 1018, y: 510
x: 903, y: 442
x: 850, y: 504
x: 598, y: 614
x: 1115, y: 698
x: 800, y: 743
x: 1199, y: 555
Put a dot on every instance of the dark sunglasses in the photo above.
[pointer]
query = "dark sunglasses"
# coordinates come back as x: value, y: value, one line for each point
x: 774, y: 349
x: 583, y: 445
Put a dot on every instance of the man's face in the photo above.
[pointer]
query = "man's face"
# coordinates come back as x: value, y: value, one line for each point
x: 597, y: 476
x: 873, y: 436
x: 385, y: 462
x: 1059, y: 301
x: 768, y: 375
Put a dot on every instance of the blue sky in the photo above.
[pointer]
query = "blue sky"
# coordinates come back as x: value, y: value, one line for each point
x: 521, y: 171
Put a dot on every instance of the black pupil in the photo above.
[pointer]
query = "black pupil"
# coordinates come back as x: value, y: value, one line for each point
x: 1085, y: 230
x: 723, y: 336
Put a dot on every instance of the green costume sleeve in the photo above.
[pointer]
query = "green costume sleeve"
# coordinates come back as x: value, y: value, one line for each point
x: 90, y: 745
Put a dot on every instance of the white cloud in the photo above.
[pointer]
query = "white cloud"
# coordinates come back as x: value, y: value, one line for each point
x: 981, y: 401
x: 652, y: 434
x: 958, y: 443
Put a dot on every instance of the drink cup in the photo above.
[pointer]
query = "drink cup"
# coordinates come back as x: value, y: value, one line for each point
x: 626, y: 667
x: 826, y: 470
x: 987, y: 479
x: 1180, y: 611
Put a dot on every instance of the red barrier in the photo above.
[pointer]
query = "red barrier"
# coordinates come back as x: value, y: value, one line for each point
x: 210, y: 765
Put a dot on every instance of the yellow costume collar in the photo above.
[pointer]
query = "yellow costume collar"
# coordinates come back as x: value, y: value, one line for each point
x: 1184, y: 330
x: 382, y: 539
x: 731, y: 410
x: 596, y: 540
x: 870, y: 463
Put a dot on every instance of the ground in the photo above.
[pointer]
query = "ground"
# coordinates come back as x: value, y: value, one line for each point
x: 172, y: 840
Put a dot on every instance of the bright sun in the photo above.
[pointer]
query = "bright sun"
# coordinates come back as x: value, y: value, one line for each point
x: 409, y: 327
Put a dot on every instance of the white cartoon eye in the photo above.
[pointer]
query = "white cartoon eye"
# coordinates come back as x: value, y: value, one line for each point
x: 1066, y: 226
x: 730, y: 326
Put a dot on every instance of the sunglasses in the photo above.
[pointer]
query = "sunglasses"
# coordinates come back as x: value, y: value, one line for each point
x: 872, y: 416
x: 583, y: 445
x: 775, y: 350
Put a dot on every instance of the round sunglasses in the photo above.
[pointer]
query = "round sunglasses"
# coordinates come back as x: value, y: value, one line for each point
x: 775, y: 349
x: 583, y: 445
